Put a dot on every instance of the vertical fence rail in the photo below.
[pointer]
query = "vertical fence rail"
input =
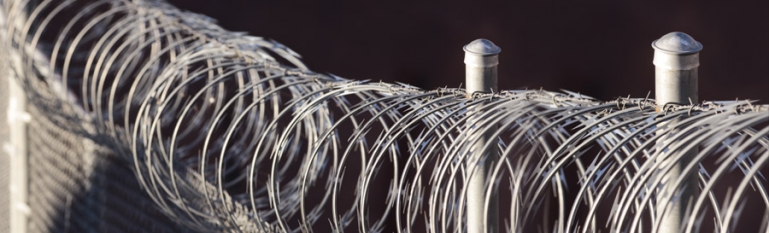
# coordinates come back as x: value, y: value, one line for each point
x: 16, y: 148
x: 676, y: 58
x: 5, y: 156
x: 481, y: 61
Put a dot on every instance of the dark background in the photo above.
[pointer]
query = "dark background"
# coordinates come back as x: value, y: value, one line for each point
x: 598, y: 48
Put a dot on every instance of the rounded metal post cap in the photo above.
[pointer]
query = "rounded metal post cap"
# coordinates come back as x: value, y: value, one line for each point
x: 482, y: 47
x: 677, y: 43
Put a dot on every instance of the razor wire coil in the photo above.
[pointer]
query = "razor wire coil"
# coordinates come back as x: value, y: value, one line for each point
x: 231, y: 132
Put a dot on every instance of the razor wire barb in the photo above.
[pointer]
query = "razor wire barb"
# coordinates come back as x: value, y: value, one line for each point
x: 231, y: 132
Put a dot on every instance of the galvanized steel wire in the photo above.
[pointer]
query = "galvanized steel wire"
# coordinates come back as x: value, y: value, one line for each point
x: 231, y: 132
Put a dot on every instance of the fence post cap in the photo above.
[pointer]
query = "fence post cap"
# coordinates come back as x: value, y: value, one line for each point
x: 677, y: 43
x: 482, y: 47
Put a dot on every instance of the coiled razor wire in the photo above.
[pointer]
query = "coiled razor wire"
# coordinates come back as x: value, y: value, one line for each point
x: 231, y: 132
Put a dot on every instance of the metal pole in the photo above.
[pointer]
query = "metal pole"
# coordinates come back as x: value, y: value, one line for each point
x: 676, y: 58
x: 481, y: 60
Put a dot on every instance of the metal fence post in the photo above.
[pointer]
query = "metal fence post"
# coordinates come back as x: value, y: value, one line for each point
x: 16, y: 149
x: 676, y: 58
x: 481, y: 60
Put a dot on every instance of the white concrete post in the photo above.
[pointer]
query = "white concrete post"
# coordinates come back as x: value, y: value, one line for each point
x: 481, y: 60
x: 676, y: 58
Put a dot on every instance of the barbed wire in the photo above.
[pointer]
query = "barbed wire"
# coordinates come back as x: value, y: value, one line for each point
x: 231, y: 132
